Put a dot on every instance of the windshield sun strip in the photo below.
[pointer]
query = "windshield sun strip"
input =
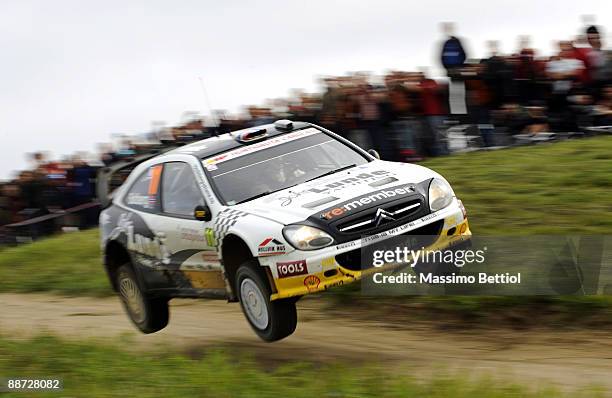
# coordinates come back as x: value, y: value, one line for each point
x: 260, y: 146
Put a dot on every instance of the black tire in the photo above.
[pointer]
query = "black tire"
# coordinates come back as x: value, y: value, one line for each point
x: 148, y: 314
x: 281, y: 314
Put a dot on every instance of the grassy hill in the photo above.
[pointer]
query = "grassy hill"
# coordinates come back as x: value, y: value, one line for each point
x: 559, y: 188
x: 70, y: 263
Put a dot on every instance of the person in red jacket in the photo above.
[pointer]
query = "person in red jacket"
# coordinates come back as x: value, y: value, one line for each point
x: 433, y: 110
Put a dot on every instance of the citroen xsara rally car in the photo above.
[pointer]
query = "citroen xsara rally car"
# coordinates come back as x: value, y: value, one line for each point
x: 263, y: 216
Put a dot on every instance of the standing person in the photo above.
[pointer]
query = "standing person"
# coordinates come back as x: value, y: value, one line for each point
x: 565, y: 72
x: 565, y: 69
x: 598, y: 62
x: 453, y: 58
x: 83, y: 181
x: 5, y: 212
x: 83, y: 184
x: 31, y: 188
x: 433, y: 111
x: 11, y: 203
x: 333, y: 95
x: 526, y: 73
x: 479, y: 102
x: 403, y: 126
x: 370, y: 114
x: 497, y: 75
x: 603, y: 107
x: 453, y: 54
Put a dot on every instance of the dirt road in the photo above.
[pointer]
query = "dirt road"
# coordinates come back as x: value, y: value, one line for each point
x: 567, y: 359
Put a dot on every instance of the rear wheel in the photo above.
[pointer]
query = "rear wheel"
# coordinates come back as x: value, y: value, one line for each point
x: 271, y: 320
x: 148, y: 314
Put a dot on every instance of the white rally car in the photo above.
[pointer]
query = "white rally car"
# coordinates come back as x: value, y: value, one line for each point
x: 263, y: 216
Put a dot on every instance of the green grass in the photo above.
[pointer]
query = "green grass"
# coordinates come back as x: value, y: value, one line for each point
x: 94, y: 369
x: 70, y: 263
x: 559, y: 188
x: 562, y: 188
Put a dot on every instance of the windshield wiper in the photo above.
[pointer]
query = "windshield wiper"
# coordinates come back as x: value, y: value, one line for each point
x: 332, y: 172
x: 266, y: 193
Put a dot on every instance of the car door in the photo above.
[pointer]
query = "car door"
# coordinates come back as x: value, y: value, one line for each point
x: 140, y: 227
x: 192, y: 241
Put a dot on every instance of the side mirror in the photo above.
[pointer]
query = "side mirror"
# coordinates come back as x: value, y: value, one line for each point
x: 374, y: 153
x: 202, y: 213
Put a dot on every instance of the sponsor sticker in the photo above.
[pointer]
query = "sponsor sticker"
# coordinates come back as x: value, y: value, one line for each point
x: 148, y: 247
x: 328, y: 262
x: 210, y: 257
x: 346, y: 245
x: 191, y: 234
x: 334, y: 284
x: 136, y: 199
x: 356, y: 203
x: 352, y: 180
x: 320, y: 202
x: 271, y: 247
x: 209, y: 235
x: 384, y: 181
x: 260, y: 145
x: 312, y: 282
x: 291, y: 268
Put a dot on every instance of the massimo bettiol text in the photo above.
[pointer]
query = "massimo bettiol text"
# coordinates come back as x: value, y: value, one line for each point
x: 436, y: 267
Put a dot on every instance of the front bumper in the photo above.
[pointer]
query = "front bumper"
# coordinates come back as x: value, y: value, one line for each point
x: 325, y: 272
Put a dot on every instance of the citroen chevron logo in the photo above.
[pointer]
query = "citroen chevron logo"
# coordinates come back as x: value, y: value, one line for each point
x: 383, y: 216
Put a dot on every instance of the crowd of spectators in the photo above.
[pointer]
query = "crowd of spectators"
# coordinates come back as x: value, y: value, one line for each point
x: 48, y: 187
x: 403, y: 115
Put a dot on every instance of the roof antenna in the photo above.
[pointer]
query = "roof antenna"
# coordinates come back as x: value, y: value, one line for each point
x: 207, y: 103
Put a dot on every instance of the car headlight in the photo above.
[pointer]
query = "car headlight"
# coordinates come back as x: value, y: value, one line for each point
x: 440, y: 194
x: 303, y: 237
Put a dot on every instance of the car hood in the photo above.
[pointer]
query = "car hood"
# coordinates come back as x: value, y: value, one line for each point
x: 297, y: 203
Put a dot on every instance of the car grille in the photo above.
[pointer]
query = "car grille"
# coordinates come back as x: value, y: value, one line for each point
x: 370, y: 221
x: 426, y: 236
x: 399, y: 212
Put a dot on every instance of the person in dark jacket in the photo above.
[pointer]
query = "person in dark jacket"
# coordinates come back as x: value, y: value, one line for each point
x: 453, y: 58
x: 498, y: 77
x: 453, y: 54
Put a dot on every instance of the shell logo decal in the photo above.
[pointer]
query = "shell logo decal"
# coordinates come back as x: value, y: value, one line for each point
x: 312, y: 282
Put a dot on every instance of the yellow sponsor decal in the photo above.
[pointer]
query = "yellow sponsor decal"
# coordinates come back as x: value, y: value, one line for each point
x: 206, y: 279
x: 209, y: 234
x: 328, y: 262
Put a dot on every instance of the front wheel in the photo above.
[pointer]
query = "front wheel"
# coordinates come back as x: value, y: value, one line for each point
x: 148, y: 314
x: 271, y: 320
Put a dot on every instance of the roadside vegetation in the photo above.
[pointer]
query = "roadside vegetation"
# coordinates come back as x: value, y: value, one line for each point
x: 95, y: 369
x: 70, y: 264
x: 557, y: 188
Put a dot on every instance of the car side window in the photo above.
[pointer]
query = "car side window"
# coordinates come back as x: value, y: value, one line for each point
x: 180, y: 192
x: 144, y: 193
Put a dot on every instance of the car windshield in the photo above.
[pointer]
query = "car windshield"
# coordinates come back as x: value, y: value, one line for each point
x: 277, y: 163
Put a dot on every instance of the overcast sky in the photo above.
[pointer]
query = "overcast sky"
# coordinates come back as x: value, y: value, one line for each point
x: 75, y: 72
